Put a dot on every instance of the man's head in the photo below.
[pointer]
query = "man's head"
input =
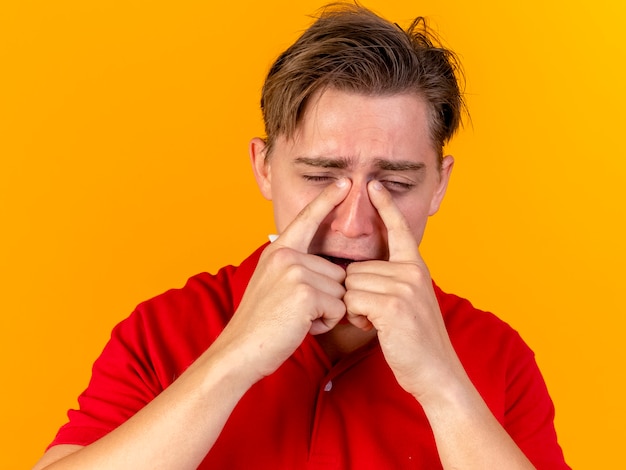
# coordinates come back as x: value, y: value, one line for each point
x: 357, y: 98
x: 351, y: 49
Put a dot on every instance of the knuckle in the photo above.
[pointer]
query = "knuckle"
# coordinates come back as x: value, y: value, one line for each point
x: 418, y: 273
x: 283, y: 256
x: 337, y: 308
x: 295, y: 274
x: 303, y: 293
x: 341, y: 291
x: 396, y: 303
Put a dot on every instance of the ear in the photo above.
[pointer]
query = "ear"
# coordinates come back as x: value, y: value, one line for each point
x: 442, y: 185
x: 261, y: 166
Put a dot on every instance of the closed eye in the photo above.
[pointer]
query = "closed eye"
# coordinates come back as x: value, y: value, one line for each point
x: 318, y: 178
x: 391, y: 185
x: 397, y: 186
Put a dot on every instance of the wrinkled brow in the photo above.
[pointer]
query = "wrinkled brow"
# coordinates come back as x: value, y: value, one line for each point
x: 399, y: 165
x: 343, y: 163
x: 324, y: 162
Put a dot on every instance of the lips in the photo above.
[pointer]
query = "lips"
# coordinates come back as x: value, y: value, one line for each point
x: 343, y: 262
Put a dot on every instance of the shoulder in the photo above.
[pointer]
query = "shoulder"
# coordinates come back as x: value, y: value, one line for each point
x: 172, y: 329
x: 463, y: 318
x: 491, y: 350
x: 205, y: 297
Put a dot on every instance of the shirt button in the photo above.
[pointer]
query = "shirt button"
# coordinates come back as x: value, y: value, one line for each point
x: 329, y: 386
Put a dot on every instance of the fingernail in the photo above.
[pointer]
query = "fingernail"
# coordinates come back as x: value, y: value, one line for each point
x: 377, y: 185
x: 342, y: 182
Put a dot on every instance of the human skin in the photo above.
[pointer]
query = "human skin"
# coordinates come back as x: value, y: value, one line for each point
x: 382, y: 145
x: 358, y: 180
x: 362, y: 139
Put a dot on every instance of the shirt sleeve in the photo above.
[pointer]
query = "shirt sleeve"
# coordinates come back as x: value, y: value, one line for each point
x: 122, y: 383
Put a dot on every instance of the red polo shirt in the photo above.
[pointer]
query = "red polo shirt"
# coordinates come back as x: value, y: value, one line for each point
x: 311, y: 414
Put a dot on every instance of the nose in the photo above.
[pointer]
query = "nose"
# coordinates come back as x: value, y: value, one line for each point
x: 355, y: 216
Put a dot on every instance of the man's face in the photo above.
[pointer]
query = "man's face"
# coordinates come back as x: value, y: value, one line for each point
x: 362, y: 138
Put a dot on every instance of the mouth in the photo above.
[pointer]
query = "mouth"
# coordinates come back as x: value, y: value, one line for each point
x: 342, y: 262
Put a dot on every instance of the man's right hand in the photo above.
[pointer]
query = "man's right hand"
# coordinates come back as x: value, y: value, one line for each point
x: 291, y: 292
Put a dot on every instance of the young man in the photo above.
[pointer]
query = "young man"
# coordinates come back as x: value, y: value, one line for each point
x: 330, y: 347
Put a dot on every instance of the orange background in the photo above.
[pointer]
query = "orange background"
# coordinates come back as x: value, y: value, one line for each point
x: 123, y: 146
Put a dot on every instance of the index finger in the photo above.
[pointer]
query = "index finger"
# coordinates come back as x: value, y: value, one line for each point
x: 300, y: 232
x: 400, y: 238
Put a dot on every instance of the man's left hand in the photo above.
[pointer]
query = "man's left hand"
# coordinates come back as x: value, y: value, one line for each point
x: 397, y: 298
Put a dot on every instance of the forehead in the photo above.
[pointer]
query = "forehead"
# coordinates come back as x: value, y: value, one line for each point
x: 353, y: 126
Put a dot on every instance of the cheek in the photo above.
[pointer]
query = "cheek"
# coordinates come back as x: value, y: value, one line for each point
x: 416, y: 215
x: 288, y: 202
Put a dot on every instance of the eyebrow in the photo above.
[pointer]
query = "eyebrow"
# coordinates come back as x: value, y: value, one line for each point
x: 400, y: 165
x: 343, y: 163
x: 323, y: 162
